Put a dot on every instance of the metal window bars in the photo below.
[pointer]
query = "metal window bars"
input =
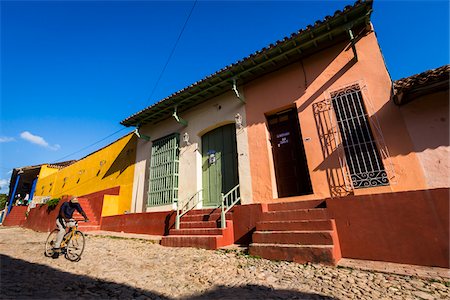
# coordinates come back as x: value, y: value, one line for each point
x: 362, y: 161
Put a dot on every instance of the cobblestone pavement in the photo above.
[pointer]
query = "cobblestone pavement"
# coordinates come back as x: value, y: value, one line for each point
x: 137, y: 269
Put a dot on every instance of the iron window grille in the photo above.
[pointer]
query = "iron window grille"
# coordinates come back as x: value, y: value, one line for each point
x: 362, y: 157
x: 164, y: 165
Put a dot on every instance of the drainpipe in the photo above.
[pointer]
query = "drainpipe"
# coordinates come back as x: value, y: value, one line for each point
x: 236, y: 91
x: 14, y: 192
x: 140, y: 135
x: 178, y: 118
x: 353, y: 42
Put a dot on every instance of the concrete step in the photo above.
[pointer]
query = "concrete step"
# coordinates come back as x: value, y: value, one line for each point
x: 203, y: 211
x: 209, y: 242
x: 306, y: 225
x: 296, y: 205
x: 199, y: 224
x: 293, y: 237
x: 204, y: 217
x: 197, y: 231
x: 297, y: 253
x: 295, y: 215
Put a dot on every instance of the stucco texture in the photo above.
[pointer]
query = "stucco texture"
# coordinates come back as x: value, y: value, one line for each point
x: 112, y: 166
x: 307, y: 84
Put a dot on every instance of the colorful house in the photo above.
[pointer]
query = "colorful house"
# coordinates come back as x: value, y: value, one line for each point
x: 103, y: 181
x: 302, y: 141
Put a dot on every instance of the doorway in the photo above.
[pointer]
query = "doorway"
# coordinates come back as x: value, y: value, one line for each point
x: 291, y: 169
x: 219, y: 163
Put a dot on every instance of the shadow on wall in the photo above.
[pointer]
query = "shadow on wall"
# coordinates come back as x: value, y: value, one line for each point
x: 126, y: 158
x: 291, y: 83
x: 18, y: 282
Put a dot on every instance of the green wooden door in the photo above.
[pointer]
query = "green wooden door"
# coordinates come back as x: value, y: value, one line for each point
x: 219, y: 163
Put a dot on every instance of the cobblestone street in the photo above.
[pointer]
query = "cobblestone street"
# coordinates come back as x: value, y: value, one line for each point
x: 130, y: 268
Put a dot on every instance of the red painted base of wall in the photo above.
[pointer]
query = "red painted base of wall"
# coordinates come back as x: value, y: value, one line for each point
x: 407, y: 227
x: 155, y: 223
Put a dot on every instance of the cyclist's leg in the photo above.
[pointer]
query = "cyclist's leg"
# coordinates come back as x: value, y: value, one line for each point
x: 62, y: 231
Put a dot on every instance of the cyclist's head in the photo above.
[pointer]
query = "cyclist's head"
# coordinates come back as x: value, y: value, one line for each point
x: 74, y: 199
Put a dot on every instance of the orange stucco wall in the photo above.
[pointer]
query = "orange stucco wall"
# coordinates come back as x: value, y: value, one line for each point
x: 308, y: 82
x: 405, y: 227
x: 427, y: 119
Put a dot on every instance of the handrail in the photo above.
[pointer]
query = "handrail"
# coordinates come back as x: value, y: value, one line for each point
x: 228, y: 201
x: 187, y: 207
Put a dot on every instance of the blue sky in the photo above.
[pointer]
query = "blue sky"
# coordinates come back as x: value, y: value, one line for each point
x: 71, y: 71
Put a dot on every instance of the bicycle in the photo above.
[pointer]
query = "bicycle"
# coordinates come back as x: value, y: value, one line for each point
x: 72, y: 245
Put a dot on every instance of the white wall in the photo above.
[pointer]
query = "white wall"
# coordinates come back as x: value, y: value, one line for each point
x: 201, y: 119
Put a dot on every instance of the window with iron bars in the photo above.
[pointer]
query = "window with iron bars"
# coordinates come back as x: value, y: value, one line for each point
x: 164, y: 165
x: 361, y: 153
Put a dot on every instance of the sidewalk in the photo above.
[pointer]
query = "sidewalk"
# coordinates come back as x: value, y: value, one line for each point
x: 442, y: 274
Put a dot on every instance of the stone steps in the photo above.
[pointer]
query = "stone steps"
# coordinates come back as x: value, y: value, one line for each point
x: 296, y: 205
x: 323, y: 254
x: 200, y: 229
x: 298, y: 232
x: 295, y: 225
x: 293, y: 237
x: 204, y: 217
x: 199, y: 224
x: 296, y: 215
x: 94, y: 222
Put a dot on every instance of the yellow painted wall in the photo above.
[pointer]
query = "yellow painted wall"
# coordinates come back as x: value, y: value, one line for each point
x: 46, y: 171
x: 108, y: 167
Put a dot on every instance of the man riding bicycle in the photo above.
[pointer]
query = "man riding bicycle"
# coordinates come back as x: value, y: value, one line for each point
x: 65, y: 220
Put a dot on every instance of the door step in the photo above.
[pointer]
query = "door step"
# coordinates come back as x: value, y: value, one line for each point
x: 300, y: 232
x: 200, y: 234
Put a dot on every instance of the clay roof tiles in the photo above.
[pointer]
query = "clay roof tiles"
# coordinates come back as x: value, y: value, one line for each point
x: 429, y: 81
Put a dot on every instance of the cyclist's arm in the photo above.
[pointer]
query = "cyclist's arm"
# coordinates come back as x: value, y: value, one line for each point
x: 81, y: 211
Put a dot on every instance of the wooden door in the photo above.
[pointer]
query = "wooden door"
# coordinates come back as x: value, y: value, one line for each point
x: 288, y: 152
x: 219, y: 163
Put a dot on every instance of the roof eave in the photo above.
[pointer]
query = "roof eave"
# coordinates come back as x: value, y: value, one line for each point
x: 301, y: 44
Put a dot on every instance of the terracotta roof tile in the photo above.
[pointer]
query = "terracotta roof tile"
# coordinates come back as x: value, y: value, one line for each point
x: 418, y: 80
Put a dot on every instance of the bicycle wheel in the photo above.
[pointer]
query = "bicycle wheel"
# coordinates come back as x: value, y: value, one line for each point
x: 75, y: 246
x: 50, y: 243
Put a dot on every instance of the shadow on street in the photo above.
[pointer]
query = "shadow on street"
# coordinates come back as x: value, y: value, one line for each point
x: 24, y: 280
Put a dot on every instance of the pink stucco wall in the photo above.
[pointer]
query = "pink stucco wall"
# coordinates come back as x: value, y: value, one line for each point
x: 427, y: 120
x: 308, y: 82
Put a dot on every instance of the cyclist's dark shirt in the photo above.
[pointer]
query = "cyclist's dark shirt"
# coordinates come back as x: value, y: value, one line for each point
x: 68, y: 209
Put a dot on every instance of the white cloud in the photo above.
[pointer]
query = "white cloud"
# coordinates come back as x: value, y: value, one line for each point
x: 4, y: 183
x: 38, y: 140
x: 6, y: 139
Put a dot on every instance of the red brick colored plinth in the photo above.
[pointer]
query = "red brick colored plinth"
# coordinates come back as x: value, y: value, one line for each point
x: 299, y: 214
x: 296, y: 253
x: 294, y: 237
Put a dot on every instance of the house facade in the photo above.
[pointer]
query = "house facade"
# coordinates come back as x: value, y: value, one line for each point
x: 308, y: 124
x: 309, y: 117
